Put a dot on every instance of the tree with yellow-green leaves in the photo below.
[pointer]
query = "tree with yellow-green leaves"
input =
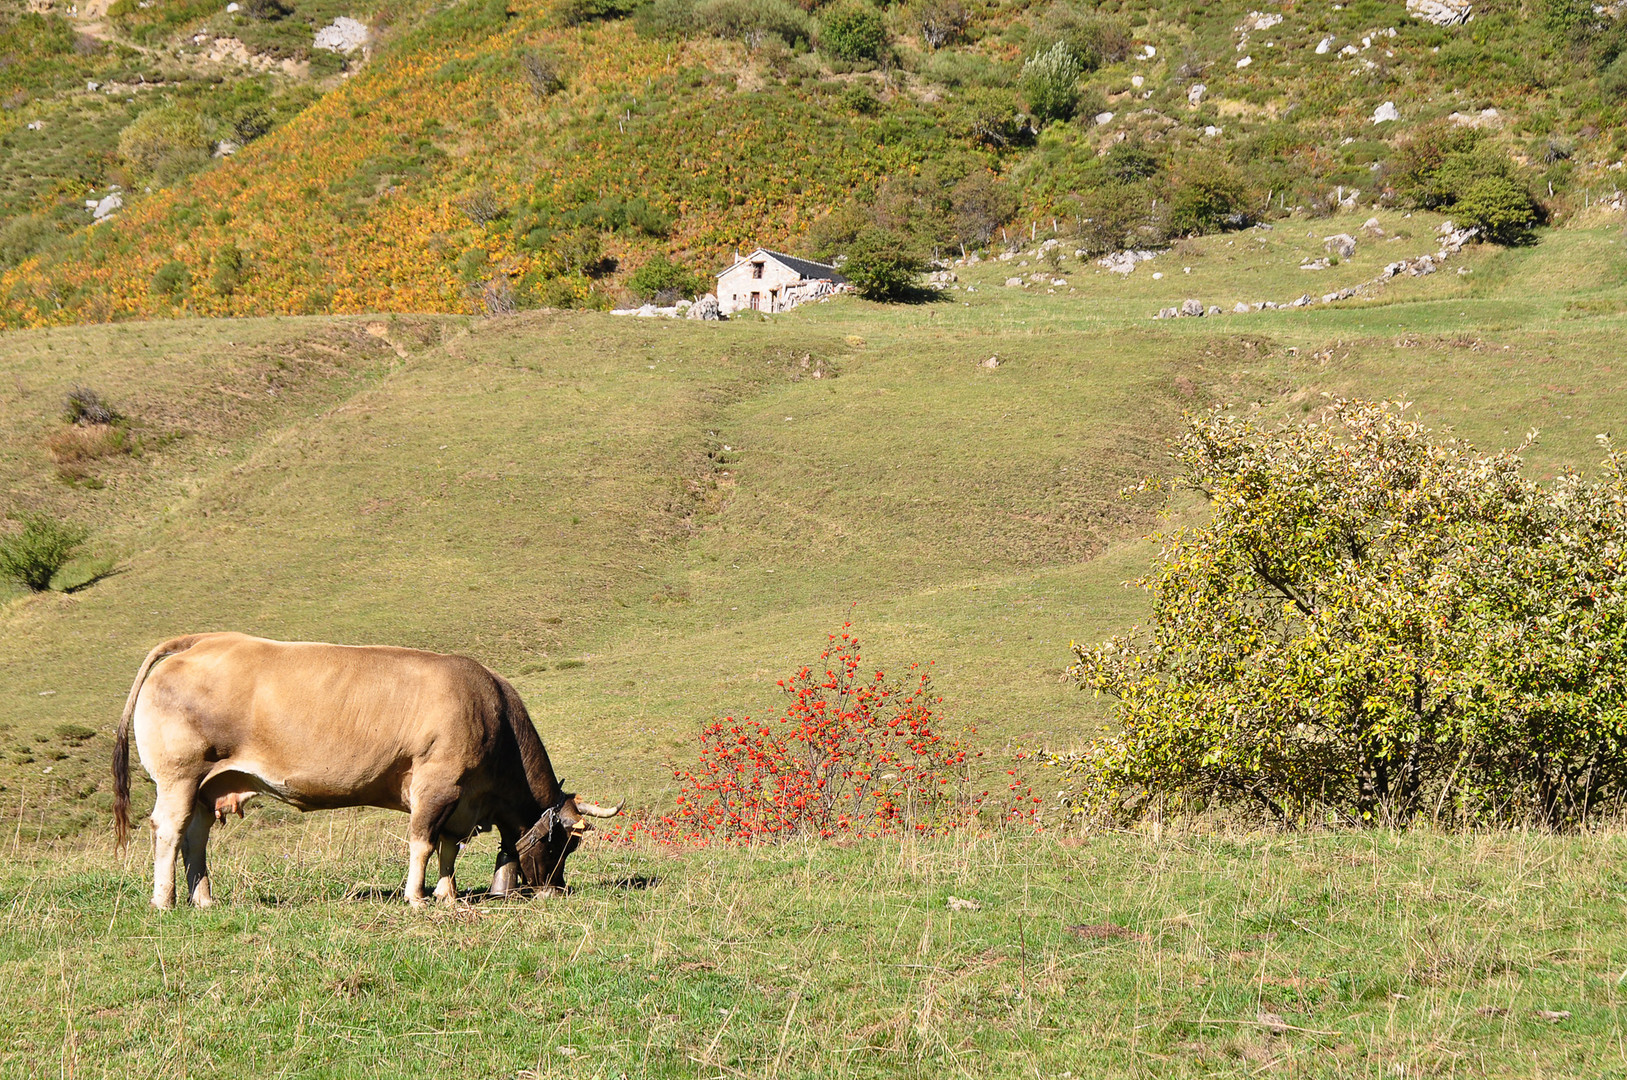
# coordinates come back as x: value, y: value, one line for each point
x: 1373, y: 625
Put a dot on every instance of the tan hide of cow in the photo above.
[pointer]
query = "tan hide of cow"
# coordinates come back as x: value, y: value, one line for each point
x: 222, y: 718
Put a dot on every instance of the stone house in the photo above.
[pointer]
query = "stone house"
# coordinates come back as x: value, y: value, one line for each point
x: 770, y: 281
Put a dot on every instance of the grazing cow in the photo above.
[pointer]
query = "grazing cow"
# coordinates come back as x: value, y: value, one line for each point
x: 221, y: 718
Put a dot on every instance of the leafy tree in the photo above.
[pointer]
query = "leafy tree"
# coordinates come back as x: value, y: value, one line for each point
x: 881, y: 266
x: 941, y: 22
x: 1372, y: 625
x: 981, y: 204
x: 32, y: 556
x: 166, y: 139
x: 854, y: 31
x: 1093, y: 39
x: 661, y: 275
x: 1050, y: 83
x: 1500, y: 208
x: 1208, y: 195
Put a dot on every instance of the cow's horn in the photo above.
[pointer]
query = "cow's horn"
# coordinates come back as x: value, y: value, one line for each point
x: 588, y: 809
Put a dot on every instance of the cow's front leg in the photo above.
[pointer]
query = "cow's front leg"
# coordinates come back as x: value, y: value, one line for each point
x: 446, y: 889
x: 432, y: 805
x: 506, y: 878
x: 418, y: 853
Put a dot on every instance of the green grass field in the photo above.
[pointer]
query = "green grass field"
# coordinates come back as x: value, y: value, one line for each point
x: 644, y: 524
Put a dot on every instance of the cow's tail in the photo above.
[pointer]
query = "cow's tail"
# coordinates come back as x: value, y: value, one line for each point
x: 121, y: 744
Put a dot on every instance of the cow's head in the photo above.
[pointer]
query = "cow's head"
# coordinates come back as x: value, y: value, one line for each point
x: 545, y: 846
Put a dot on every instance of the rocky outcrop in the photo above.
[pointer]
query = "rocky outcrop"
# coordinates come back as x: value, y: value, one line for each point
x: 1123, y: 262
x: 1441, y: 12
x: 1341, y: 244
x: 706, y: 308
x: 342, y: 35
x: 1386, y: 113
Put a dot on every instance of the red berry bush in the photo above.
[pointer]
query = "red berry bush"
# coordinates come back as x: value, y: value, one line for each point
x: 852, y: 755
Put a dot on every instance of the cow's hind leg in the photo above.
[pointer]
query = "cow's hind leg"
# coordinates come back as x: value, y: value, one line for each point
x: 446, y: 889
x: 506, y: 878
x: 431, y: 806
x: 172, y: 812
x: 195, y: 853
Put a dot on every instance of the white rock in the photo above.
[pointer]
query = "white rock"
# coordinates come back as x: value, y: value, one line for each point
x: 1211, y: 130
x: 108, y: 206
x: 1014, y: 282
x: 233, y: 8
x: 1137, y: 81
x: 1192, y: 309
x: 1324, y: 45
x: 1240, y: 308
x: 1158, y: 277
x: 343, y: 35
x: 706, y: 309
x: 1102, y: 118
x: 1256, y: 21
x: 93, y: 86
x: 1441, y: 12
x: 1148, y: 52
x: 226, y: 148
x: 1195, y: 92
x: 1349, y: 50
x: 36, y: 125
x: 1245, y: 62
x: 1342, y: 244
x: 1386, y: 113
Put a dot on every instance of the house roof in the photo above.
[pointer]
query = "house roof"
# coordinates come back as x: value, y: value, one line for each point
x: 806, y: 268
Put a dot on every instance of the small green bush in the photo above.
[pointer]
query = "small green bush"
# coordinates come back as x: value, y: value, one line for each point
x: 581, y: 12
x: 661, y: 278
x: 1500, y: 208
x: 23, y: 236
x: 32, y: 556
x: 161, y: 139
x: 981, y: 204
x: 1613, y: 79
x: 853, y: 31
x: 1050, y: 83
x: 940, y: 22
x: 753, y: 21
x: 228, y: 270
x: 859, y: 99
x: 881, y: 266
x: 1206, y: 196
x: 172, y: 280
x: 1092, y: 39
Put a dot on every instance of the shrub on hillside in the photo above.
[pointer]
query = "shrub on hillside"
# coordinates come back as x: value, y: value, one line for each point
x: 24, y: 235
x: 662, y: 279
x: 171, y: 280
x: 853, y: 30
x: 1050, y: 83
x: 1091, y: 38
x: 1372, y: 626
x: 881, y: 266
x: 227, y: 273
x: 1500, y: 208
x: 981, y: 204
x: 543, y: 72
x: 939, y: 22
x: 580, y: 12
x: 990, y: 118
x: 852, y: 755
x: 83, y: 405
x: 167, y: 141
x: 1206, y: 196
x: 32, y: 556
x: 1117, y: 215
x: 1613, y: 79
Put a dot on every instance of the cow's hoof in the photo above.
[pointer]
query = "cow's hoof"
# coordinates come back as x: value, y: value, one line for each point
x: 417, y: 902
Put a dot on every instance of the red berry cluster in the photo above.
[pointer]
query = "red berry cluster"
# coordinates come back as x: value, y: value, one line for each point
x: 852, y: 755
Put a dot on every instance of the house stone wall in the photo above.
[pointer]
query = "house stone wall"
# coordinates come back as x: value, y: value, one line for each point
x: 736, y: 284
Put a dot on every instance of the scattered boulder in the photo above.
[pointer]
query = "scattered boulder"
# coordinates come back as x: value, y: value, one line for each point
x: 1214, y: 309
x: 105, y: 207
x: 1386, y: 113
x: 342, y: 35
x: 706, y: 308
x: 1195, y: 92
x: 1341, y: 244
x: 1167, y: 313
x: 992, y: 362
x: 1192, y: 309
x: 1324, y: 45
x: 1315, y: 264
x: 1014, y: 282
x: 1102, y: 118
x: 1241, y: 308
x: 1441, y: 12
x: 1122, y: 262
x: 1245, y: 62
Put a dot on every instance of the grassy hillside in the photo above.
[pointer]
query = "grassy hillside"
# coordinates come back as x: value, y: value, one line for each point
x: 645, y: 523
x: 534, y: 153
